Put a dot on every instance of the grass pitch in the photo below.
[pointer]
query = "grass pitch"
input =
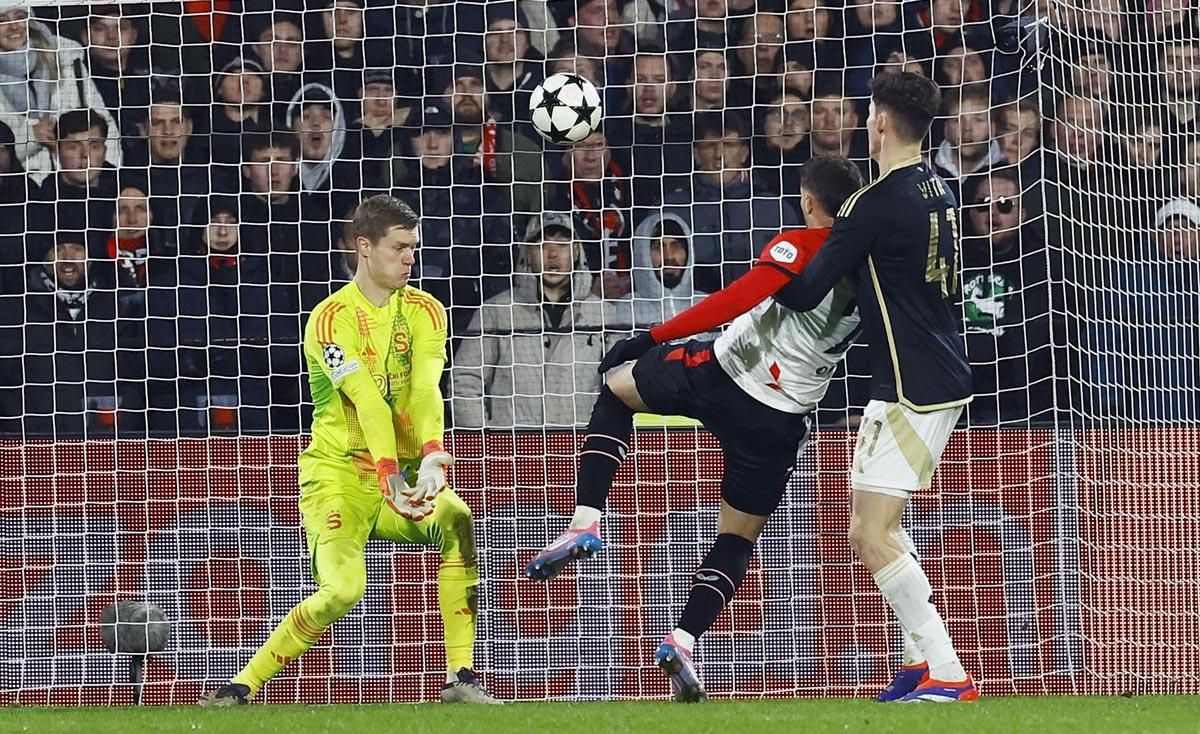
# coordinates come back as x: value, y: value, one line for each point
x: 1083, y: 714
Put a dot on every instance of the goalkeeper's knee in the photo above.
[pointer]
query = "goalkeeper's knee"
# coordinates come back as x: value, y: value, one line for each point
x: 336, y: 596
x: 456, y: 528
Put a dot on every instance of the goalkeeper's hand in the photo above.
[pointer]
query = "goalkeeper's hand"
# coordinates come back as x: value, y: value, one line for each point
x: 431, y: 477
x: 396, y: 492
x: 625, y: 350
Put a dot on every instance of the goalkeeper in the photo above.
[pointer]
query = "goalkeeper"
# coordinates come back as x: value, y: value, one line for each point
x: 376, y: 467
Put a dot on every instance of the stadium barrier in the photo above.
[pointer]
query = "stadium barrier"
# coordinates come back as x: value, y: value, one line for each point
x: 1065, y: 560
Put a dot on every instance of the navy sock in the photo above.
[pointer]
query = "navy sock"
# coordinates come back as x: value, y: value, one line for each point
x: 604, y: 448
x: 715, y: 582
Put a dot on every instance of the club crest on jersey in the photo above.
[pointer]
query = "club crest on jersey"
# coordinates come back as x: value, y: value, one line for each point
x: 784, y: 252
x: 333, y: 355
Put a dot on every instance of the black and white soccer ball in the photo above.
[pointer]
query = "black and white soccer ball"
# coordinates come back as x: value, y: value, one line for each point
x: 565, y: 108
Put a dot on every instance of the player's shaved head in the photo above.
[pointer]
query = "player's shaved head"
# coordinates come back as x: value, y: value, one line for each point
x: 376, y: 216
x: 830, y: 179
x: 910, y: 100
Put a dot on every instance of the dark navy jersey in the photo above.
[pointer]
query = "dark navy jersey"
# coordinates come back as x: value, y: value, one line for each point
x: 898, y: 237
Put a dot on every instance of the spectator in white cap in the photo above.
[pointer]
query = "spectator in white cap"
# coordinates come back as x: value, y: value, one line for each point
x: 529, y: 357
x: 1143, y: 357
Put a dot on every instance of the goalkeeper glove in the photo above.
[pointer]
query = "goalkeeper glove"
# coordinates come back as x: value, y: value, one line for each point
x: 397, y: 493
x: 431, y: 476
x: 625, y: 350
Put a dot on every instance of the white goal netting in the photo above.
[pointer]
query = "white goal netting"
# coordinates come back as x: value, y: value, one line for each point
x: 175, y: 180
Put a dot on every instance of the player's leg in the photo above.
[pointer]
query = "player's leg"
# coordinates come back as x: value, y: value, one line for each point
x: 760, y: 446
x: 605, y: 446
x: 713, y: 586
x: 337, y: 523
x: 895, y: 455
x: 451, y: 529
x: 914, y: 669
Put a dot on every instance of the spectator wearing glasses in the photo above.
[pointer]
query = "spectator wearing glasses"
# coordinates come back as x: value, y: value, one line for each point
x: 758, y: 56
x: 599, y: 196
x: 1005, y: 303
x: 781, y: 146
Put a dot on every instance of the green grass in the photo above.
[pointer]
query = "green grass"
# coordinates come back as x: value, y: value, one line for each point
x: 1008, y: 715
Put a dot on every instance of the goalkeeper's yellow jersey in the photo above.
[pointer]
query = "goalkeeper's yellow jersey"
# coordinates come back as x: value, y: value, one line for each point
x: 374, y: 375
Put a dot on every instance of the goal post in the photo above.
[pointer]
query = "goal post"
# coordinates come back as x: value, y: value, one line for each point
x: 153, y: 399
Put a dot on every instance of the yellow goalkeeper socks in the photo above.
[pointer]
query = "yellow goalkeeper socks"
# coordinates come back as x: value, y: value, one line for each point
x: 295, y: 634
x: 458, y: 590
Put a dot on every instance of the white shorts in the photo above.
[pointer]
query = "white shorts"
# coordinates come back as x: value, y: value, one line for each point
x: 898, y: 448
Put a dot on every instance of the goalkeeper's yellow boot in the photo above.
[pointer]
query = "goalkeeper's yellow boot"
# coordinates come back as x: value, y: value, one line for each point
x: 230, y: 694
x: 464, y: 687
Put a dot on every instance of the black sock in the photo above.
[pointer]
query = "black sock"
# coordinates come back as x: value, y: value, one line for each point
x: 604, y: 448
x: 715, y: 582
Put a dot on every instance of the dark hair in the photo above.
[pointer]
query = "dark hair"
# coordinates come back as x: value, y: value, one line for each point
x: 256, y: 141
x: 910, y: 99
x: 67, y: 237
x: 375, y: 216
x: 830, y: 179
x: 972, y: 186
x: 717, y: 124
x: 79, y: 121
x: 166, y: 95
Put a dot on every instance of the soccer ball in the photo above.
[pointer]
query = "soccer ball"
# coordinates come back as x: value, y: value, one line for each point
x: 565, y: 108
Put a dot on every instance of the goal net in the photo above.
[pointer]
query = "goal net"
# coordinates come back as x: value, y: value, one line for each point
x: 176, y: 180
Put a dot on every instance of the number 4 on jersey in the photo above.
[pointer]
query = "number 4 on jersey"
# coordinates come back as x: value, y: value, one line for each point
x: 937, y: 270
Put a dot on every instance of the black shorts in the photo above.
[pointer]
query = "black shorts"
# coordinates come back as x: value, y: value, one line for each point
x: 760, y: 443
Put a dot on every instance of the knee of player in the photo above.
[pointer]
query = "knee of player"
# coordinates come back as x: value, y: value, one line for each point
x: 457, y: 526
x: 864, y: 539
x: 620, y: 381
x: 343, y: 593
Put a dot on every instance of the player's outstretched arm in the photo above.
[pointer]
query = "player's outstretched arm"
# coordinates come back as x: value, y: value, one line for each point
x: 782, y: 258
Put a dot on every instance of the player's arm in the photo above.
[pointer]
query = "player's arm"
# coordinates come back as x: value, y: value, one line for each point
x: 784, y: 256
x: 428, y: 362
x: 332, y: 341
x: 845, y: 251
x: 425, y: 404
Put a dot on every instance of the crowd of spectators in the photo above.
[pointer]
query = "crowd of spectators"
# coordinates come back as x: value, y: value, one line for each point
x: 175, y: 180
